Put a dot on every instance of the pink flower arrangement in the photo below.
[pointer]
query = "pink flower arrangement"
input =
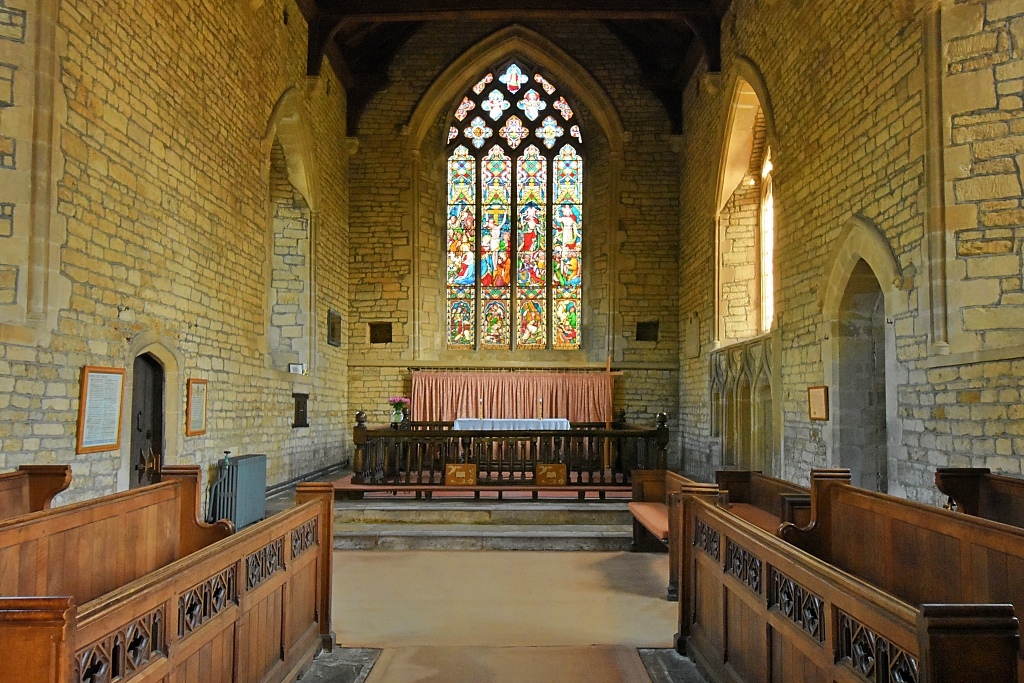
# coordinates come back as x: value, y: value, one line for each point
x: 395, y: 401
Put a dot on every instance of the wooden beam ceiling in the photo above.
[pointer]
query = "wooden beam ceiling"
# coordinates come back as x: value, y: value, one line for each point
x: 360, y: 39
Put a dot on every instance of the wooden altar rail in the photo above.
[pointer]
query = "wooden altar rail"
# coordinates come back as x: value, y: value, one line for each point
x: 31, y: 488
x: 90, y: 548
x: 250, y: 608
x: 917, y: 553
x: 417, y: 457
x: 754, y: 608
x: 978, y: 492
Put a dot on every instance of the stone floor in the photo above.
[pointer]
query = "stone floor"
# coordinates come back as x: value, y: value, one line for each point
x: 506, y: 617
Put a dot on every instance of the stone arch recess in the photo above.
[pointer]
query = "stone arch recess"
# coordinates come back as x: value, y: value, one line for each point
x: 173, y: 362
x: 742, y: 71
x: 288, y: 125
x: 861, y: 240
x: 454, y: 80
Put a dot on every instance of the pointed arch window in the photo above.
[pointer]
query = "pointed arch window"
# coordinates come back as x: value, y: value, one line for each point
x: 515, y: 209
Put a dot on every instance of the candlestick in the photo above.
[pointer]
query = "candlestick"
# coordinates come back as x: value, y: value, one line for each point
x: 480, y: 409
x: 541, y: 410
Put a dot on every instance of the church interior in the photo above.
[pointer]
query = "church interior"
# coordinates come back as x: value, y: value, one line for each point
x: 421, y: 341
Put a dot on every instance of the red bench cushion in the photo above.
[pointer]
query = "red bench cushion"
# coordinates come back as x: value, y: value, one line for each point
x: 654, y: 517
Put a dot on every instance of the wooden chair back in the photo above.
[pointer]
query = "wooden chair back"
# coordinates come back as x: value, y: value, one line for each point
x: 91, y: 548
x: 31, y: 488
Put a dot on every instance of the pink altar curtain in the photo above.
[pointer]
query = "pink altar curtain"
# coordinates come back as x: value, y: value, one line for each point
x: 445, y: 396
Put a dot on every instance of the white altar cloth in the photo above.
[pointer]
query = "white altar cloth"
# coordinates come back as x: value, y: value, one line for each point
x: 475, y: 425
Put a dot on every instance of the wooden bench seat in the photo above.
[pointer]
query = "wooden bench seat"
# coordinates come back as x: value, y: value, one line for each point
x: 754, y: 608
x: 654, y: 493
x: 134, y: 586
x: 31, y: 488
x: 653, y: 517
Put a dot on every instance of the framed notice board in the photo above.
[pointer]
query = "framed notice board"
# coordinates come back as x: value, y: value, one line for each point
x: 817, y: 403
x: 99, y: 409
x: 195, y: 411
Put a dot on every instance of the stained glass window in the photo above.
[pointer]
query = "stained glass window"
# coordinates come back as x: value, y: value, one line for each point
x: 515, y: 196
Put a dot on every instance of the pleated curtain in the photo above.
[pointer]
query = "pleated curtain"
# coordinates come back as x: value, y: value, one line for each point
x: 445, y: 396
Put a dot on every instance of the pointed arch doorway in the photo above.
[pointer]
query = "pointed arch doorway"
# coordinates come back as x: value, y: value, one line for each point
x: 861, y: 386
x: 147, y: 421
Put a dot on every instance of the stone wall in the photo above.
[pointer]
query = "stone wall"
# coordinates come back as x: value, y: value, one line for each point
x: 160, y: 179
x: 387, y: 273
x: 850, y: 152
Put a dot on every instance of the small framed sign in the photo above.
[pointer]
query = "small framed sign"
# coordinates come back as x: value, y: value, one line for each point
x: 333, y: 328
x: 99, y: 410
x: 817, y: 402
x: 195, y: 411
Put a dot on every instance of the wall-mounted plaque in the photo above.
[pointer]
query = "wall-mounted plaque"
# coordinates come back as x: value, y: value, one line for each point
x: 817, y: 402
x: 99, y: 410
x: 195, y: 411
x: 334, y: 328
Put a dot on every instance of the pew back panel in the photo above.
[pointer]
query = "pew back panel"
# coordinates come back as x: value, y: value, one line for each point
x: 31, y: 488
x: 976, y: 491
x: 759, y: 609
x: 247, y: 609
x: 91, y: 548
x: 787, y: 501
x: 914, y: 551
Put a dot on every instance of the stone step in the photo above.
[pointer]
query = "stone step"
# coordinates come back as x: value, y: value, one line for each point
x: 481, y: 512
x: 595, y: 537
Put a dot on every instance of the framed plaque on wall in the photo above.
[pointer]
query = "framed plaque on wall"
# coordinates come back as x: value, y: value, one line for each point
x: 195, y: 411
x: 99, y: 410
x: 817, y: 401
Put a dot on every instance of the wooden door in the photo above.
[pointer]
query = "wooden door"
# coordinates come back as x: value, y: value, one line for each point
x: 147, y: 421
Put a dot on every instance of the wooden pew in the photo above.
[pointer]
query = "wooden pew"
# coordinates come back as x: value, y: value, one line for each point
x: 978, y: 492
x: 755, y: 608
x: 31, y: 488
x: 763, y: 500
x: 653, y: 492
x: 134, y: 587
x: 915, y: 552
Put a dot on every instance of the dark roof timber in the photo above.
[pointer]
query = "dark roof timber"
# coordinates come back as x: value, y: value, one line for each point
x: 360, y: 39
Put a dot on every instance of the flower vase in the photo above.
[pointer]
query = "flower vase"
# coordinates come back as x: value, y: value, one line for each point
x: 397, y: 416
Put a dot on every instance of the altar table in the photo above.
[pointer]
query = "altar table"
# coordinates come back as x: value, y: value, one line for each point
x: 475, y: 425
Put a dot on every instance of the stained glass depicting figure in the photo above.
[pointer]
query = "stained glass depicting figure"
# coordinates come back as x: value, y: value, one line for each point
x: 566, y: 249
x: 461, y: 249
x: 495, y: 248
x: 531, y: 266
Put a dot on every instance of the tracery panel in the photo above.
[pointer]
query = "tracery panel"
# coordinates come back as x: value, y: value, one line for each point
x: 566, y: 249
x: 461, y: 249
x: 531, y: 290
x: 495, y: 264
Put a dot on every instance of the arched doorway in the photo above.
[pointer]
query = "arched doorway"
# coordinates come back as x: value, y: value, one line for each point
x: 147, y: 421
x: 861, y: 381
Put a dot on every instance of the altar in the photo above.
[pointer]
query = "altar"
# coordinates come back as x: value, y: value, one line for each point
x: 510, y: 425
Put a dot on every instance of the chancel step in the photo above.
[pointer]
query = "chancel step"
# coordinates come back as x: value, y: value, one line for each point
x: 594, y: 537
x: 481, y: 512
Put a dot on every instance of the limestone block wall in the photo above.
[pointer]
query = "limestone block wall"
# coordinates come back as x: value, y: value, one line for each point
x: 637, y: 252
x: 850, y: 169
x: 161, y: 180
